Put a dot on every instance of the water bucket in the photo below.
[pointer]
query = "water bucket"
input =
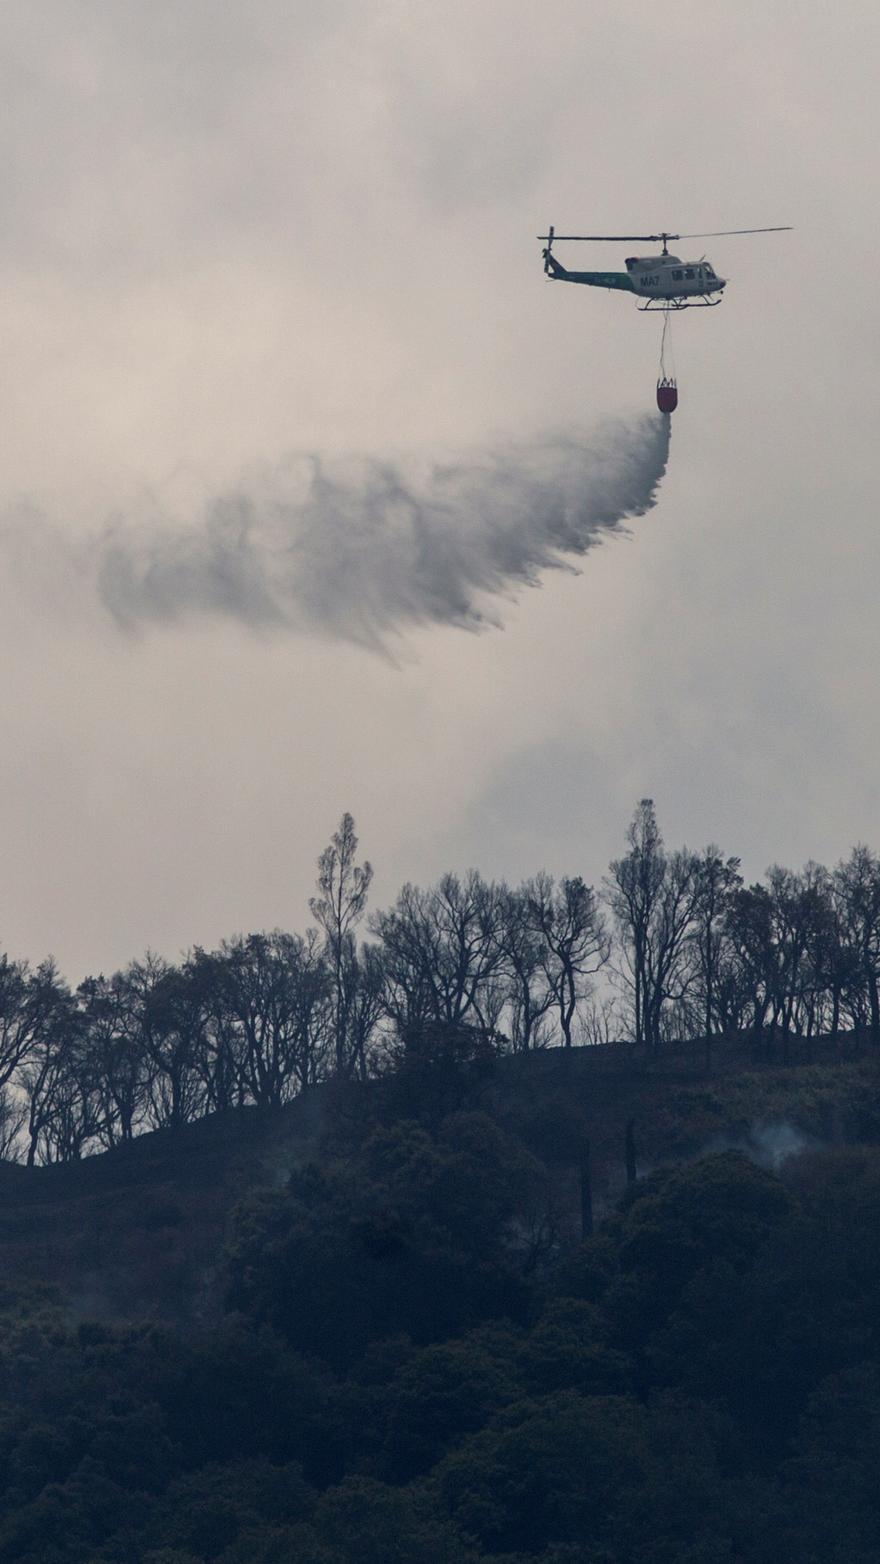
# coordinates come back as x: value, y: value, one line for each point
x: 667, y: 396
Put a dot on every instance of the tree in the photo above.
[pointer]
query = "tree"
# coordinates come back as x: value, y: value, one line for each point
x: 12, y: 1117
x: 681, y: 1226
x: 28, y: 1002
x: 168, y: 1010
x: 364, y: 976
x: 274, y: 991
x: 339, y: 906
x: 442, y: 954
x: 220, y: 1055
x: 749, y: 927
x: 413, y: 1233
x: 796, y: 901
x: 835, y: 958
x: 654, y: 897
x: 777, y: 930
x: 119, y: 1061
x: 575, y: 943
x: 632, y: 892
x: 55, y: 1078
x: 669, y: 970
x: 548, y: 1471
x: 826, y: 962
x: 529, y: 995
x: 69, y: 1109
x: 857, y: 882
x: 715, y: 880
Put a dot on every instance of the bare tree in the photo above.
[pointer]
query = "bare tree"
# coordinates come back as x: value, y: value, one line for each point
x: 338, y: 907
x: 167, y: 1020
x: 599, y: 1022
x: 834, y: 958
x: 733, y: 997
x: 857, y: 887
x: 276, y: 990
x: 796, y: 905
x: 60, y: 1115
x: 13, y: 1113
x: 775, y: 929
x: 654, y: 897
x: 632, y: 891
x: 71, y: 1111
x: 715, y: 880
x: 221, y: 1051
x: 364, y: 976
x: 575, y: 942
x: 119, y: 1062
x: 442, y: 954
x: 669, y: 971
x: 28, y: 1003
x: 749, y: 925
x: 528, y: 993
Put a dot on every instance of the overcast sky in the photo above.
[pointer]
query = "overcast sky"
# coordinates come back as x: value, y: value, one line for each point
x: 237, y: 236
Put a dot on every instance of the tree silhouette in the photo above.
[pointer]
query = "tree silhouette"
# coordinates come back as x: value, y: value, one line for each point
x: 338, y: 907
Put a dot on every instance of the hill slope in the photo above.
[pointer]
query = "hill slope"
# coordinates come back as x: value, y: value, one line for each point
x: 139, y: 1232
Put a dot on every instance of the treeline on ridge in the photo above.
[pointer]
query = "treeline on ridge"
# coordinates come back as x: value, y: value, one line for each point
x: 674, y: 945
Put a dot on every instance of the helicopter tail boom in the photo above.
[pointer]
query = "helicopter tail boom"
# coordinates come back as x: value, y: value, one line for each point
x: 619, y: 280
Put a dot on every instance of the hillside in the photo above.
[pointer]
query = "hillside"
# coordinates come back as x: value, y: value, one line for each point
x: 139, y: 1232
x: 367, y: 1329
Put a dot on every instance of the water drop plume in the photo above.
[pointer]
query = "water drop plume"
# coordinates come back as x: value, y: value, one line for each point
x: 362, y: 548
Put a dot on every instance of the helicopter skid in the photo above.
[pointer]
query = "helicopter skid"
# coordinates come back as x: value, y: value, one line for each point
x: 653, y: 304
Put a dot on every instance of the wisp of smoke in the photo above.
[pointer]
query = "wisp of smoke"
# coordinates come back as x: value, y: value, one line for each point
x: 770, y: 1143
x: 362, y: 548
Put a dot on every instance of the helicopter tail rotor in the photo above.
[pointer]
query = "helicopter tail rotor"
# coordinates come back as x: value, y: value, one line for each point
x: 548, y: 248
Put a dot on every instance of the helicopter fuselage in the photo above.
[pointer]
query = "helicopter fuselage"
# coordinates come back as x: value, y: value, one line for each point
x: 661, y: 277
x: 667, y: 277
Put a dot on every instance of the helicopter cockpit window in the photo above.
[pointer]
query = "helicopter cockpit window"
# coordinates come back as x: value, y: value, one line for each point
x: 689, y: 272
x: 630, y: 262
x: 708, y: 270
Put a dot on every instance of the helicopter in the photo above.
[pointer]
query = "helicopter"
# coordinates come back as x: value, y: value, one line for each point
x: 663, y: 281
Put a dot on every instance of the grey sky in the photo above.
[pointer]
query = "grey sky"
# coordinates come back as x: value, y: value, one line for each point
x: 236, y: 234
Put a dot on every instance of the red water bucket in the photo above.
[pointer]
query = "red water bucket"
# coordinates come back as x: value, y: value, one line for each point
x: 667, y: 396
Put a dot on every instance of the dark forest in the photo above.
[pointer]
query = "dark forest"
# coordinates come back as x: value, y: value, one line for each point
x: 531, y: 1225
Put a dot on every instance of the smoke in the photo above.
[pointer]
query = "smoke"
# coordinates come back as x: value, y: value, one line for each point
x: 360, y: 549
x: 770, y: 1143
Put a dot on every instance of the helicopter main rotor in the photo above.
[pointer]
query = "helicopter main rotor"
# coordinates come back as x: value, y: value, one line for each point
x: 662, y: 238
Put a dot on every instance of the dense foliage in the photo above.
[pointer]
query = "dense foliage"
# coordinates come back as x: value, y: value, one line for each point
x: 413, y: 1368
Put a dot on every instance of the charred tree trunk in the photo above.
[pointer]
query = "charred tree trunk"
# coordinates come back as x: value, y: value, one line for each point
x: 631, y: 1174
x: 835, y: 1012
x: 874, y: 1001
x: 586, y: 1190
